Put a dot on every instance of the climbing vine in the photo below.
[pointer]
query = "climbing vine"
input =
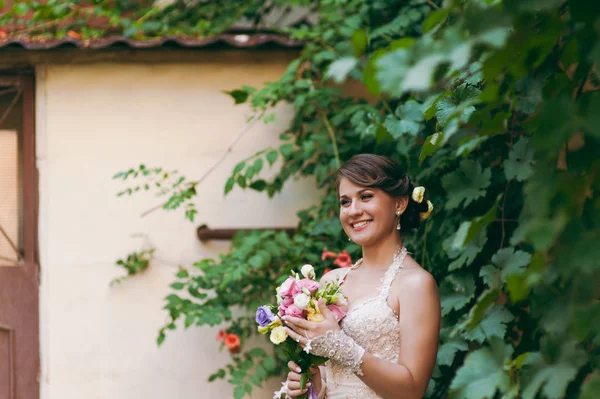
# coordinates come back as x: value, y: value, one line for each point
x: 493, y: 106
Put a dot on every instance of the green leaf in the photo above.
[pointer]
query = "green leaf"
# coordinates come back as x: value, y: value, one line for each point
x: 161, y: 337
x: 399, y: 127
x: 492, y: 325
x: 435, y: 18
x: 229, y: 185
x: 239, y: 96
x: 457, y: 105
x: 490, y: 276
x: 257, y: 352
x: 477, y: 312
x: 339, y: 69
x: 359, y: 42
x: 258, y: 185
x: 183, y: 273
x: 391, y: 69
x: 238, y: 168
x: 369, y: 78
x: 448, y: 350
x: 591, y: 386
x: 465, y: 256
x: 456, y: 291
x: 518, y: 164
x: 20, y: 8
x: 410, y: 116
x: 189, y: 320
x: 272, y: 157
x: 410, y: 110
x: 239, y: 392
x: 483, y: 373
x: 286, y: 150
x: 552, y: 376
x: 269, y: 363
x: 430, y: 145
x: 419, y: 77
x: 177, y: 285
x: 466, y: 184
x: 469, y: 144
x: 510, y: 261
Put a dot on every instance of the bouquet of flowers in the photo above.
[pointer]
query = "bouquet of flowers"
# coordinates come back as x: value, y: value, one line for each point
x: 298, y: 297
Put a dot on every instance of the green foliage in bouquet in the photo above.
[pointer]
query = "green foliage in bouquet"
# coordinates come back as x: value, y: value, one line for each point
x: 493, y: 106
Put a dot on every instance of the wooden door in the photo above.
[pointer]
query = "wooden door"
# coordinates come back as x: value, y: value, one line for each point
x: 19, y: 270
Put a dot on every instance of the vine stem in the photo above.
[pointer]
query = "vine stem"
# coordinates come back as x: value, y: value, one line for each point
x: 38, y: 26
x: 236, y: 139
x: 336, y: 153
x: 147, y: 15
x: 432, y: 4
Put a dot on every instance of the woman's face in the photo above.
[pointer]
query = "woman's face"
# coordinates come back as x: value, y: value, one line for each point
x: 367, y: 214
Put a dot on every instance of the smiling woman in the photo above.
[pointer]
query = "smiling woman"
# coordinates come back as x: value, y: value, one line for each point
x: 387, y: 344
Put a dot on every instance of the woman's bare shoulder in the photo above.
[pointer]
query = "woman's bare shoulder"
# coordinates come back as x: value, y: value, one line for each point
x: 414, y: 279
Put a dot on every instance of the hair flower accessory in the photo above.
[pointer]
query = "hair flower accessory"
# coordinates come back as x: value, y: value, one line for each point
x: 425, y: 215
x: 417, y: 194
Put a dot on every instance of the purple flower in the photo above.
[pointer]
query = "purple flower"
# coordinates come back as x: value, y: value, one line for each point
x: 312, y: 394
x: 264, y: 316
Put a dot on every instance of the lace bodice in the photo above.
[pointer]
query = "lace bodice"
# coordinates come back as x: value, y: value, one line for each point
x: 374, y: 326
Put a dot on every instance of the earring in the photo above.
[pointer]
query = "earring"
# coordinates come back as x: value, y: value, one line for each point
x: 349, y: 239
x: 398, y: 227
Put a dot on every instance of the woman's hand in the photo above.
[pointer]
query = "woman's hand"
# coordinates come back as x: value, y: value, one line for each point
x: 293, y: 380
x: 302, y: 330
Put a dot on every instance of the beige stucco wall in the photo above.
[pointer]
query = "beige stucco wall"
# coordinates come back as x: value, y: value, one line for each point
x: 95, y: 120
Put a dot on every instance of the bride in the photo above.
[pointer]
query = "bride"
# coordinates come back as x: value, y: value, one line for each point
x: 386, y: 345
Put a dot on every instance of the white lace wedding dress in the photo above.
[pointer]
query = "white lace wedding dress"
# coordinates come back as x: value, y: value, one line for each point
x: 374, y: 326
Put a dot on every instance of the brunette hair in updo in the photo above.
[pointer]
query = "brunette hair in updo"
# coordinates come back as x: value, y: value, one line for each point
x: 376, y: 171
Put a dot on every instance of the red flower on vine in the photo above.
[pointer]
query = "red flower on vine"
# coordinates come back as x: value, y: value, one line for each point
x: 327, y: 254
x: 221, y: 335
x: 232, y: 341
x: 343, y: 259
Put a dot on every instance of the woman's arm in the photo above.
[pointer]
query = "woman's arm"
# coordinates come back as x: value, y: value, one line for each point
x: 419, y: 326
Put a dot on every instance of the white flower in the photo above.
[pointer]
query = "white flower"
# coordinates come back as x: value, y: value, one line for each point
x: 417, y: 194
x: 307, y: 347
x: 278, y: 335
x: 302, y: 300
x: 425, y: 215
x: 282, y: 391
x: 308, y: 271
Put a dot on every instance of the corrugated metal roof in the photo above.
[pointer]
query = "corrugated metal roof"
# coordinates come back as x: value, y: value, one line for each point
x: 240, y: 40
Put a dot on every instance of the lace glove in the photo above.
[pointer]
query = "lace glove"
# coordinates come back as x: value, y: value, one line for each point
x: 339, y: 347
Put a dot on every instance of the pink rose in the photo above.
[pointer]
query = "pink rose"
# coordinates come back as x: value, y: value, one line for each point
x: 311, y: 285
x: 337, y: 312
x: 294, y: 311
x: 288, y: 288
x: 285, y: 304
